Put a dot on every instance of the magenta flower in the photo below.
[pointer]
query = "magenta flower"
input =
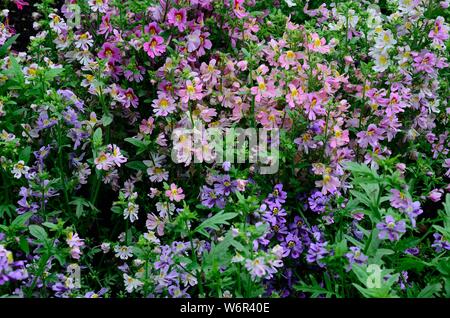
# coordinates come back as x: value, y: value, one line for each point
x: 128, y: 98
x: 238, y: 8
x: 177, y: 18
x: 155, y: 47
x: 370, y: 137
x: 153, y: 28
x: 439, y: 31
x: 110, y: 52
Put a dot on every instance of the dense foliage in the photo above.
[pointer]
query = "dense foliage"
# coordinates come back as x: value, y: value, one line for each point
x: 92, y: 204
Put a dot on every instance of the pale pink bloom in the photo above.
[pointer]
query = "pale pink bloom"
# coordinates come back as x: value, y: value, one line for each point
x: 164, y: 105
x: 314, y: 107
x: 263, y: 89
x: 116, y: 156
x: 329, y: 183
x: 175, y: 193
x: 318, y: 45
x: 193, y: 41
x: 339, y: 138
x: 288, y: 59
x: 370, y: 137
x: 103, y: 161
x: 191, y: 91
x: 295, y: 96
x: 439, y: 31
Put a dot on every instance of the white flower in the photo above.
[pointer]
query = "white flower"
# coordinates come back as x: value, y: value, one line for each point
x: 20, y: 169
x: 381, y: 61
x: 123, y: 252
x: 131, y: 283
x: 165, y: 208
x: 151, y: 237
x: 131, y: 212
x: 290, y: 3
x: 385, y: 41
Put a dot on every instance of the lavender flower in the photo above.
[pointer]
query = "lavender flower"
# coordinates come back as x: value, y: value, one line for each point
x: 391, y: 230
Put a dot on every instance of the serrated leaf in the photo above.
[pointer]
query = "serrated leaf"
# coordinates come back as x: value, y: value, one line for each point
x: 214, y: 222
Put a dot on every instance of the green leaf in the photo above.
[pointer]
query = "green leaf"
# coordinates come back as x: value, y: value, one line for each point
x: 21, y: 220
x: 98, y: 137
x: 430, y: 290
x: 136, y: 165
x: 107, y: 119
x: 25, y: 154
x: 7, y: 44
x: 136, y: 142
x: 214, y: 222
x: 24, y: 246
x: 38, y: 232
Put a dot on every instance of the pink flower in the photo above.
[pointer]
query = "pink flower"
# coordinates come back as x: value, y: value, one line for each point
x: 178, y: 18
x: 175, y: 193
x: 439, y: 31
x: 295, y: 96
x: 155, y: 46
x: 288, y: 59
x: 105, y: 27
x: 128, y: 98
x: 109, y: 52
x: 116, y: 156
x: 164, y: 105
x: 270, y: 119
x: 193, y: 41
x: 20, y: 4
x: 191, y: 91
x: 146, y: 126
x: 238, y: 9
x: 153, y: 28
x: 340, y: 137
x: 205, y: 43
x: 370, y: 137
x: 103, y: 161
x: 435, y: 195
x: 263, y: 90
x: 153, y: 222
x: 314, y: 107
x: 329, y: 183
x: 318, y: 45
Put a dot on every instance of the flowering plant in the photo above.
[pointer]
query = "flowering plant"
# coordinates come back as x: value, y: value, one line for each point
x: 100, y: 194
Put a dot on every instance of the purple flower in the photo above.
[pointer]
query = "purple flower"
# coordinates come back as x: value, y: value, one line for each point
x: 211, y: 198
x: 316, y: 252
x: 412, y: 251
x: 440, y: 243
x: 355, y: 256
x: 317, y: 202
x: 278, y: 196
x: 292, y: 246
x: 389, y: 229
x: 370, y: 137
x: 225, y: 186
